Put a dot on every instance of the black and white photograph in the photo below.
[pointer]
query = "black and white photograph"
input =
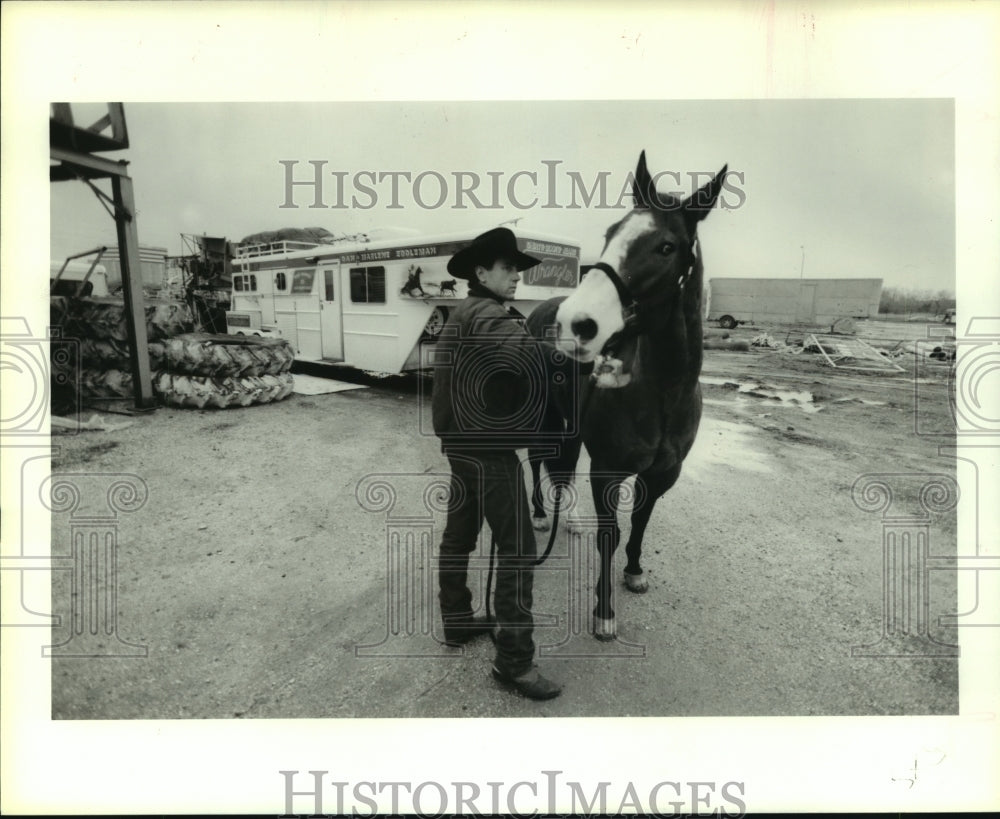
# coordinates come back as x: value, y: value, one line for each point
x: 637, y: 432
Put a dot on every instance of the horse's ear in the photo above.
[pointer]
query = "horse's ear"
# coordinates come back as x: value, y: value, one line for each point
x: 643, y: 189
x: 697, y: 206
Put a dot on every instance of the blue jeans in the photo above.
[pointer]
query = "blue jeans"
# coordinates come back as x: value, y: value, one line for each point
x: 490, y: 485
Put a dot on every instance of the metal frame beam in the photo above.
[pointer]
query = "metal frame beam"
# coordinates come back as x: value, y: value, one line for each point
x: 92, y: 166
x: 135, y: 307
x: 86, y: 166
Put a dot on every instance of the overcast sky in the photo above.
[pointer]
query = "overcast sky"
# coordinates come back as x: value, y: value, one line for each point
x: 859, y: 188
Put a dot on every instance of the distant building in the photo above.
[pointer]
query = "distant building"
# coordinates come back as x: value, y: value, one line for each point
x: 152, y: 264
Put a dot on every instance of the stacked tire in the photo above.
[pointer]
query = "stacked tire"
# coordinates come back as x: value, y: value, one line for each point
x: 104, y: 318
x: 188, y: 369
x: 95, y: 361
x: 208, y: 370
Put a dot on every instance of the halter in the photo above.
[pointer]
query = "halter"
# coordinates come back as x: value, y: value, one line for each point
x: 631, y: 308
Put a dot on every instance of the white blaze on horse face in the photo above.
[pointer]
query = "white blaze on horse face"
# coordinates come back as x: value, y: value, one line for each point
x: 590, y: 316
x: 596, y: 299
x: 635, y: 225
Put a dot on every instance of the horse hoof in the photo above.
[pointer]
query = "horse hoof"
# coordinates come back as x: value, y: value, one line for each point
x: 636, y: 583
x: 604, y: 628
x: 540, y: 524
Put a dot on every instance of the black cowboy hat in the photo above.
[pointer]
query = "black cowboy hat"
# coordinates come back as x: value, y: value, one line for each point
x: 499, y: 243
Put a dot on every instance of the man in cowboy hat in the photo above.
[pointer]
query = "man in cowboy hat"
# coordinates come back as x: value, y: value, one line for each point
x: 486, y: 373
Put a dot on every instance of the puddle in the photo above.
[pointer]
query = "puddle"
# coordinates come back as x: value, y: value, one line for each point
x: 850, y: 399
x: 802, y: 400
x: 725, y: 443
x: 720, y: 444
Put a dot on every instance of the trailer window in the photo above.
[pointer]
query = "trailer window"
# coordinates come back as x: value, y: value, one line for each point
x: 245, y: 282
x: 280, y: 281
x: 302, y: 281
x: 368, y: 285
x: 328, y: 284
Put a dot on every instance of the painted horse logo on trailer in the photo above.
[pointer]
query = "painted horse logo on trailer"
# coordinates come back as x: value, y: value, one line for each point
x: 412, y: 285
x: 635, y: 323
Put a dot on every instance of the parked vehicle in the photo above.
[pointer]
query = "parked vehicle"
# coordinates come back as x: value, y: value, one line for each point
x: 75, y: 278
x: 369, y: 305
x: 733, y: 301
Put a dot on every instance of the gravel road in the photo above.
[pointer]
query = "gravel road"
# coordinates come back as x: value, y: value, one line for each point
x: 260, y: 587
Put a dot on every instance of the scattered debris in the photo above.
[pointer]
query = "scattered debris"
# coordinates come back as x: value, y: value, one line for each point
x: 930, y: 350
x: 94, y: 423
x: 766, y: 340
x: 849, y: 353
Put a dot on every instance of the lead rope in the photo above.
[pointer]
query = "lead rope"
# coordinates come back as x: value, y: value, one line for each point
x: 489, y: 586
x: 538, y: 562
x: 549, y: 545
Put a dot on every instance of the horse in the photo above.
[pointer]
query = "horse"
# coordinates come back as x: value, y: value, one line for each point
x: 447, y: 286
x: 633, y: 330
x: 412, y: 283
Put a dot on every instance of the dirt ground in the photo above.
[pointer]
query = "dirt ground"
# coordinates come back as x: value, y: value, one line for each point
x: 259, y: 585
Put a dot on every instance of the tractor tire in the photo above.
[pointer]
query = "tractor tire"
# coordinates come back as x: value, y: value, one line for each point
x: 201, y: 392
x: 727, y: 323
x: 104, y: 318
x: 105, y: 383
x: 226, y: 356
x: 108, y: 354
x: 214, y: 356
x: 59, y: 311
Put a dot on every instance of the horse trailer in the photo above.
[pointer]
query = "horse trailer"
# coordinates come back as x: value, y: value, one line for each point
x: 373, y: 305
x: 791, y: 301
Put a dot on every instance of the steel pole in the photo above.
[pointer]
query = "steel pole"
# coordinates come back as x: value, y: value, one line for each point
x: 135, y: 308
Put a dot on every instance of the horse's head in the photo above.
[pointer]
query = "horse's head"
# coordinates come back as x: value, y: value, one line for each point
x: 647, y: 259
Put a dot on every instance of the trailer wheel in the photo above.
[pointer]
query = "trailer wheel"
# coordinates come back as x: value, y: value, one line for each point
x: 436, y: 321
x: 201, y: 392
x: 727, y: 322
x: 219, y: 355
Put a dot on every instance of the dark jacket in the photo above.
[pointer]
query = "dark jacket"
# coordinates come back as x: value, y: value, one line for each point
x: 490, y: 386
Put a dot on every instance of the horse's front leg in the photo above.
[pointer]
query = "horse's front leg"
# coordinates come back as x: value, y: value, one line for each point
x: 605, y: 490
x: 649, y: 488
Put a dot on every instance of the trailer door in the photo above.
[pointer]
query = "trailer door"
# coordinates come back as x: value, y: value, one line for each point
x: 307, y: 313
x: 330, y: 302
